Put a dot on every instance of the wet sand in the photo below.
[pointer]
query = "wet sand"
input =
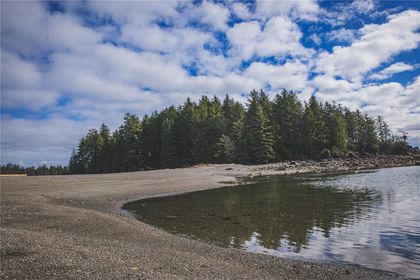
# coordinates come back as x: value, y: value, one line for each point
x: 72, y: 227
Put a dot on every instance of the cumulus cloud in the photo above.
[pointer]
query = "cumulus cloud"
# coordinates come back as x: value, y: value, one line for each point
x: 278, y: 37
x: 23, y: 84
x: 306, y: 10
x: 93, y: 61
x: 377, y: 44
x: 363, y: 6
x: 391, y: 70
x: 36, y: 141
x: 274, y: 75
x: 342, y: 35
x: 53, y: 31
x: 212, y: 14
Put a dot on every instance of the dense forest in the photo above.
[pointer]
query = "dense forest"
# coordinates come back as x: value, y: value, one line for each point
x: 225, y: 131
x: 11, y: 168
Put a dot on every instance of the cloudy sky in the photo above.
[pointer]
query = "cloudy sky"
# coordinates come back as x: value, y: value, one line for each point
x: 70, y: 66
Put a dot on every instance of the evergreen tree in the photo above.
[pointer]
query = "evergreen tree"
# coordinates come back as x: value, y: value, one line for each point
x: 168, y: 154
x: 287, y: 116
x: 105, y: 152
x: 335, y: 128
x: 313, y: 129
x: 225, y: 149
x: 150, y: 138
x: 183, y: 133
x: 215, y: 131
x: 371, y: 140
x: 208, y: 129
x: 259, y: 129
x: 127, y: 148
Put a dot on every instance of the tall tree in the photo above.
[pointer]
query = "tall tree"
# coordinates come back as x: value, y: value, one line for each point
x: 225, y: 131
x: 258, y: 129
x: 335, y: 128
x: 313, y: 129
x: 128, y: 144
x: 287, y: 116
x: 183, y: 133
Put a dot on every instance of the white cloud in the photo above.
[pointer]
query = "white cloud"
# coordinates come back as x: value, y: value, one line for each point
x: 291, y: 75
x: 279, y: 37
x: 306, y: 10
x: 363, y: 6
x: 33, y: 141
x: 22, y: 84
x: 241, y: 10
x: 141, y: 13
x: 53, y: 31
x: 396, y: 103
x: 145, y: 67
x: 316, y: 39
x: 342, y: 35
x: 377, y: 44
x: 212, y: 14
x: 331, y: 86
x: 344, y: 12
x: 18, y: 73
x: 391, y: 70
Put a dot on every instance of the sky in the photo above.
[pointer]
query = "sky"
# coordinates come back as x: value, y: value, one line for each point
x: 70, y: 66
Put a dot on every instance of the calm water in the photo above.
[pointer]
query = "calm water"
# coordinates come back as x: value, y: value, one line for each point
x: 370, y: 218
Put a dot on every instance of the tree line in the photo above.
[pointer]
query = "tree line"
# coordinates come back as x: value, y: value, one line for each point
x: 11, y: 168
x: 226, y: 131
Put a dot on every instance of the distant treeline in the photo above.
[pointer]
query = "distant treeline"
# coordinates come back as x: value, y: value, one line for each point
x: 11, y: 168
x: 216, y: 131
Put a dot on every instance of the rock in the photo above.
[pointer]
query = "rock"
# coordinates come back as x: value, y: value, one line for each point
x: 326, y: 154
x: 351, y: 155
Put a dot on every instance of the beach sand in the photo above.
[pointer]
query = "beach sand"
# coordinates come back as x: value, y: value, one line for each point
x: 72, y: 227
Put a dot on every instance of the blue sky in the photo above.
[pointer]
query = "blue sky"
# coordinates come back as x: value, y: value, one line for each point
x: 70, y: 66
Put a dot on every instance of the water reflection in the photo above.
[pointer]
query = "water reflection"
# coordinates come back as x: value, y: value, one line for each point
x: 351, y: 217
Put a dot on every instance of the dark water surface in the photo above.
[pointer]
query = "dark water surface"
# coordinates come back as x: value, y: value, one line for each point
x: 370, y: 218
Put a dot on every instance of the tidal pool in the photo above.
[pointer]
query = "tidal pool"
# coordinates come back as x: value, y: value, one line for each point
x: 370, y: 218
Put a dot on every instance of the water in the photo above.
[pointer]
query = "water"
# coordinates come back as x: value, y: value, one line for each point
x: 370, y: 218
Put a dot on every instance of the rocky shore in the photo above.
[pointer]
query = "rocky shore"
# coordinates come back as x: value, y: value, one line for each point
x: 72, y: 227
x: 340, y: 164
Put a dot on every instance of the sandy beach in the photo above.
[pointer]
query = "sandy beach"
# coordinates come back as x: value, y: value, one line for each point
x: 72, y: 227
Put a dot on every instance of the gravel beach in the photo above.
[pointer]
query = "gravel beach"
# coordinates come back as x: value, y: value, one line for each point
x: 72, y: 227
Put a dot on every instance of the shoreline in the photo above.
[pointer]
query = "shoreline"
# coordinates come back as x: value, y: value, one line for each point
x: 73, y: 227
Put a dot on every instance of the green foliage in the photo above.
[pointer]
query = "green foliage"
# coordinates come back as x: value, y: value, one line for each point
x: 215, y: 131
x: 259, y: 130
x: 336, y: 132
x: 287, y: 117
x: 225, y: 149
x: 11, y: 168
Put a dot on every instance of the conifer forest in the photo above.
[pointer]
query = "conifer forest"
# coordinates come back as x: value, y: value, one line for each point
x: 226, y: 131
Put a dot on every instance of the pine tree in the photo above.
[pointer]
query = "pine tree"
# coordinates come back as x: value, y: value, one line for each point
x: 287, y: 116
x: 225, y: 149
x: 104, y: 160
x: 319, y: 130
x: 167, y: 137
x: 184, y: 133
x: 372, y: 143
x: 215, y: 131
x: 259, y: 129
x: 207, y: 130
x: 128, y: 144
x: 336, y: 129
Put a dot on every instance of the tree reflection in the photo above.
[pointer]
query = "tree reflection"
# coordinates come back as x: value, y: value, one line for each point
x: 274, y: 210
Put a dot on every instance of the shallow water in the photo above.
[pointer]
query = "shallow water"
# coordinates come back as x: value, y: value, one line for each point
x: 370, y: 218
